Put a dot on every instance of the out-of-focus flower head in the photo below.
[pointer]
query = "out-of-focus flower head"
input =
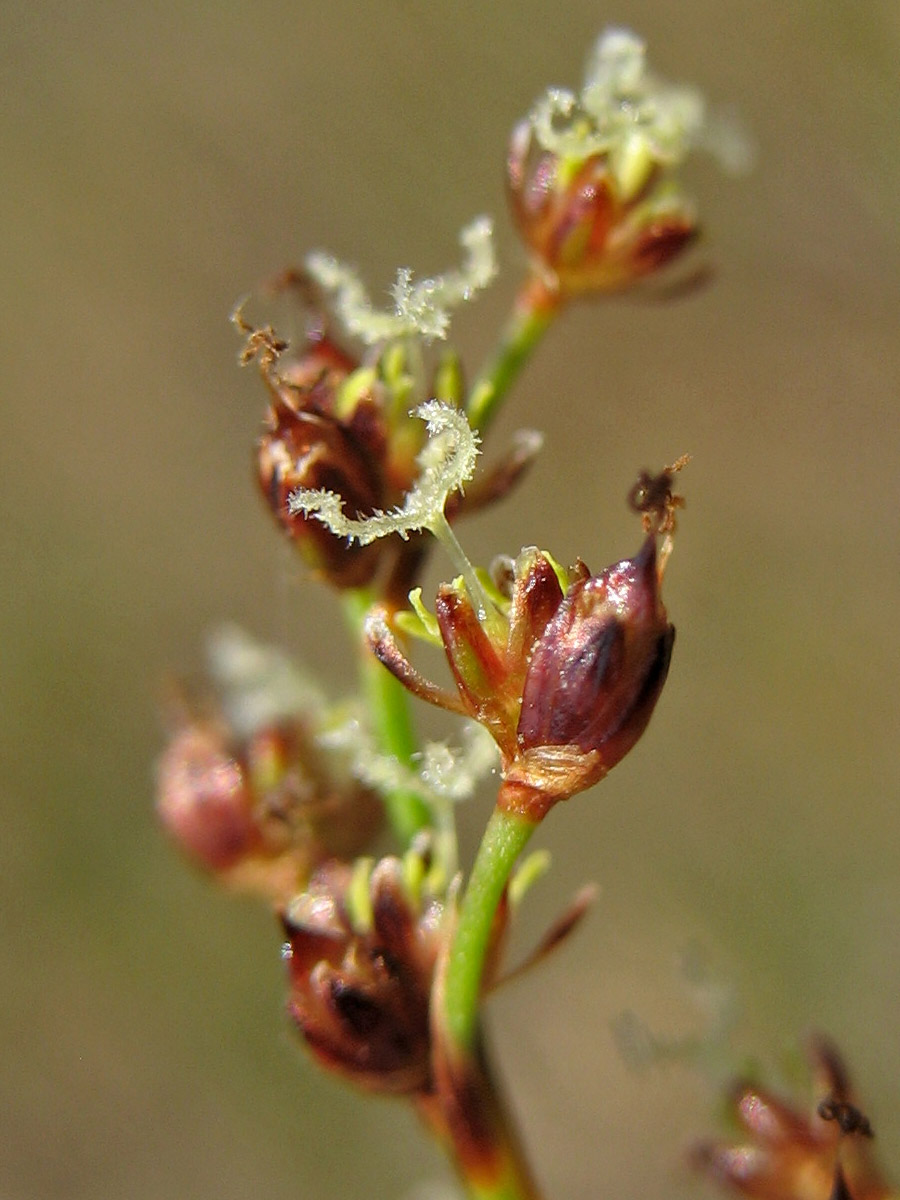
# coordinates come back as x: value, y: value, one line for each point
x: 797, y: 1153
x: 361, y: 949
x: 591, y: 174
x: 251, y: 786
x: 364, y: 945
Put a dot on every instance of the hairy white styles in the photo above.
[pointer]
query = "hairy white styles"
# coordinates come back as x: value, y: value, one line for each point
x: 421, y: 309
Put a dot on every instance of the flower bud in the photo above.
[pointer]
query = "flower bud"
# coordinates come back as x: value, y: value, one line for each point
x: 259, y: 812
x: 597, y: 671
x: 584, y: 234
x: 590, y: 175
x: 326, y: 429
x: 361, y: 970
x: 253, y: 790
x: 204, y: 799
x: 346, y: 428
x: 304, y: 446
x: 565, y: 680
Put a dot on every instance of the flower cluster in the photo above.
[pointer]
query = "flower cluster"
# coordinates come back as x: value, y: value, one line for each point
x: 591, y: 175
x: 345, y: 426
x: 564, y: 670
x: 361, y: 950
x: 369, y: 454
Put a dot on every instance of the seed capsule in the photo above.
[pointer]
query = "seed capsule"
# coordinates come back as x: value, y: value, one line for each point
x: 564, y: 681
x: 597, y: 671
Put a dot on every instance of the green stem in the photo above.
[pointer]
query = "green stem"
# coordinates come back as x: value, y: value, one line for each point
x: 389, y: 713
x: 533, y: 313
x: 468, y: 1116
x: 504, y: 839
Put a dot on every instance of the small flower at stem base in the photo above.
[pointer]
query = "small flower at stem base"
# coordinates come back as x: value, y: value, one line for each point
x: 795, y: 1154
x: 360, y: 975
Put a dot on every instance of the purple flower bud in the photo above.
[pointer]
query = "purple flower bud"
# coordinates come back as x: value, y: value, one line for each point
x: 597, y: 671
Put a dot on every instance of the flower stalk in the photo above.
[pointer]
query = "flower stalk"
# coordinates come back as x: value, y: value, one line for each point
x: 469, y: 1118
x: 534, y: 311
x: 506, y: 836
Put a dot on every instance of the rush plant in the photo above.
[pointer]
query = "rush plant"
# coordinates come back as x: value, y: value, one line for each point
x: 369, y: 458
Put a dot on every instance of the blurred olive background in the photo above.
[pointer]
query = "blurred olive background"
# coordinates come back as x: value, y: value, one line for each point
x: 158, y: 161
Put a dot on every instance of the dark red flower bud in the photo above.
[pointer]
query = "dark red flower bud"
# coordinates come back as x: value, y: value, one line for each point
x: 361, y: 980
x: 597, y: 670
x: 350, y: 428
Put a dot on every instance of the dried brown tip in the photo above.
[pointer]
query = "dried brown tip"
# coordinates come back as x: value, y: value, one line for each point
x: 653, y: 497
x: 848, y: 1117
x: 840, y: 1191
x: 261, y: 345
x: 830, y: 1072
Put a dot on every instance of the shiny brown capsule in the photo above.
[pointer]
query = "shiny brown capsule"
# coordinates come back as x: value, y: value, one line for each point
x: 600, y: 664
